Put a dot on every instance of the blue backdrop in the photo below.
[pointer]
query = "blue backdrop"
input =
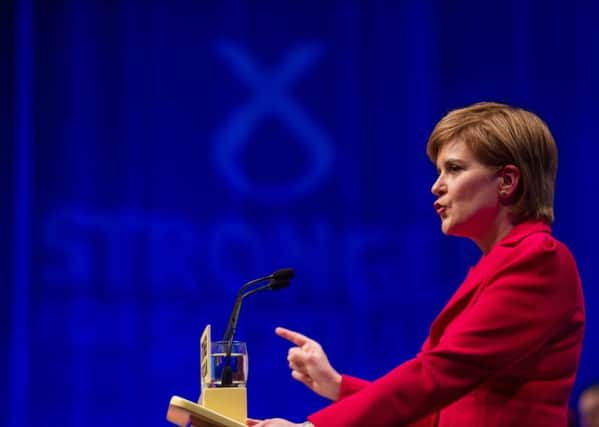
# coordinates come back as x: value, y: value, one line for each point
x: 158, y: 154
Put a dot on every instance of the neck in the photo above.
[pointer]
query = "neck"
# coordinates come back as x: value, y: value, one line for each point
x: 497, y: 230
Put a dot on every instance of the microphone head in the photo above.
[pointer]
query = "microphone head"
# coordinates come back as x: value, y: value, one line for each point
x: 275, y: 284
x: 283, y: 274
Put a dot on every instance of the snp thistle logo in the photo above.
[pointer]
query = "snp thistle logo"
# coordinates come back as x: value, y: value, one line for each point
x: 270, y: 89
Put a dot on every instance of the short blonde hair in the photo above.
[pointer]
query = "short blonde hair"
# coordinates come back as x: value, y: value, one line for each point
x: 500, y: 135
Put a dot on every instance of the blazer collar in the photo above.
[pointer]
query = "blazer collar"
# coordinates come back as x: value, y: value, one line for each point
x: 514, y: 236
x: 522, y: 230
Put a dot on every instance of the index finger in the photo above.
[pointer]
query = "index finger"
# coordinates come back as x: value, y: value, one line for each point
x: 295, y: 337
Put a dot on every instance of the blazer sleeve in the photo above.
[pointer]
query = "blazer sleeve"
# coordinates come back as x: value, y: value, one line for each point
x: 351, y: 385
x: 527, y: 300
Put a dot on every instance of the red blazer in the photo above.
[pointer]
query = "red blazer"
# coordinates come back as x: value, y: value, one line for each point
x: 503, y: 352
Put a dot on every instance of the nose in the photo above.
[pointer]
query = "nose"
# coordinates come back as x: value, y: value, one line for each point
x: 438, y: 187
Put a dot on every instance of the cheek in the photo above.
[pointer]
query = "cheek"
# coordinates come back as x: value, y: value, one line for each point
x: 478, y: 193
x: 474, y: 201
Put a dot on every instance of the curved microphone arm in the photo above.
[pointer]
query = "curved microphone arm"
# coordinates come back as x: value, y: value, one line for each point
x: 280, y: 276
x: 237, y: 305
x: 275, y: 283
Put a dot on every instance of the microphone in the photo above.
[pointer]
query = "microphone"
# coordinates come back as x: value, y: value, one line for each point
x: 281, y: 275
x: 277, y: 280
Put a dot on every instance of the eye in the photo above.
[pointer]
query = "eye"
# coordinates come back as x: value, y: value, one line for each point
x: 453, y: 168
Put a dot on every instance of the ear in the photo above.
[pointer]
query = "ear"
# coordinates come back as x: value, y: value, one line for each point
x: 509, y: 177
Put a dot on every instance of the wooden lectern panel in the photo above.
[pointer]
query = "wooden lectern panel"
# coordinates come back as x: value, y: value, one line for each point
x: 180, y: 410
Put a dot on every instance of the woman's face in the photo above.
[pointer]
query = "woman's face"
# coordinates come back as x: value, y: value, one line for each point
x: 467, y: 193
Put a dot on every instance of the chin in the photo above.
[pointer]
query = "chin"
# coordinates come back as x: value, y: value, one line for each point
x: 446, y: 229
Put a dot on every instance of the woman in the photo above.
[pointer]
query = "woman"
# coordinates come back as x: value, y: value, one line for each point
x: 505, y: 349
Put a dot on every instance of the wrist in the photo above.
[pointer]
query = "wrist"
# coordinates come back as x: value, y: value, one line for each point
x: 337, y: 390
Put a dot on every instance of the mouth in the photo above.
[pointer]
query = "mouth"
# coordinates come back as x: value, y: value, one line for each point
x: 440, y: 209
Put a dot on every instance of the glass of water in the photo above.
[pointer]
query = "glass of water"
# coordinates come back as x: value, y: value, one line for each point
x: 238, y: 363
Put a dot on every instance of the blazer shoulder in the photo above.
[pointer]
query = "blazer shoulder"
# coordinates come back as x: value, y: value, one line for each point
x: 537, y: 243
x: 548, y: 247
x: 538, y: 261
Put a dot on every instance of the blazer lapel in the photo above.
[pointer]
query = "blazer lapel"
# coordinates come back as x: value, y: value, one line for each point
x: 456, y: 304
x: 459, y: 301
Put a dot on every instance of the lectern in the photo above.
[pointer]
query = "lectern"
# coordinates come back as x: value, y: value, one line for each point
x: 218, y: 405
x: 223, y: 400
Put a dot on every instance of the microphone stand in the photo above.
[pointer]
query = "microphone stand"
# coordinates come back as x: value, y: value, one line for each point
x: 274, y: 284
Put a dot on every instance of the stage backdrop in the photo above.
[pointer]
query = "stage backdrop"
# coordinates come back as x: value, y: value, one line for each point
x: 156, y: 155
